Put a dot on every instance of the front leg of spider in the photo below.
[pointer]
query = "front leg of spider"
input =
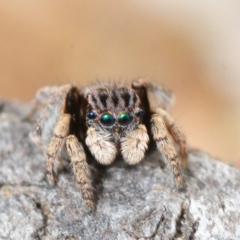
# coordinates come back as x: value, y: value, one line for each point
x: 73, y: 105
x: 165, y: 145
x: 65, y: 132
x: 80, y: 169
x: 60, y: 132
x: 177, y: 135
x: 161, y: 125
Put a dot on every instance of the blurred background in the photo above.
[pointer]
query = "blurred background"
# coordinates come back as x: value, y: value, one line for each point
x: 192, y: 47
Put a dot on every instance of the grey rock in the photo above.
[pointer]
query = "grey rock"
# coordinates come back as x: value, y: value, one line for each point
x: 137, y: 202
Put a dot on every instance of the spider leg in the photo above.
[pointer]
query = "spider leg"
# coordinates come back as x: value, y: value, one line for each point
x: 80, y: 169
x: 60, y: 132
x: 175, y: 132
x: 63, y: 127
x: 135, y: 144
x: 165, y: 145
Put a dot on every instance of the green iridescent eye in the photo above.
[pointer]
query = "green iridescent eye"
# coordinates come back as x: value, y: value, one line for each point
x: 107, y: 119
x: 125, y: 118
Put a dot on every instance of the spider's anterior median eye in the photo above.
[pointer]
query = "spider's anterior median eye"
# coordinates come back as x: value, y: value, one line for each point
x: 91, y: 115
x: 125, y: 118
x: 107, y: 119
x: 138, y: 112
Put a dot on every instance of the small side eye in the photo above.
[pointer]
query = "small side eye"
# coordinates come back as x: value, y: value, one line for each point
x: 91, y: 115
x: 107, y: 119
x: 125, y: 119
x: 138, y: 112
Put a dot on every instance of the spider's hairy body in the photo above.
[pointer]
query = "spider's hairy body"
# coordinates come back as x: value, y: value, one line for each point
x: 106, y: 121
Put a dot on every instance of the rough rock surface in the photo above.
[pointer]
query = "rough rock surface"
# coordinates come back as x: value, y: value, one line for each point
x: 139, y: 202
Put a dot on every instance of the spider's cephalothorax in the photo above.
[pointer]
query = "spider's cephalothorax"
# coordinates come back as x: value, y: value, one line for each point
x: 108, y: 119
x: 113, y: 109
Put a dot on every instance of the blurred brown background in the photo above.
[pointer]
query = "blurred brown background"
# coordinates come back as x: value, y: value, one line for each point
x: 192, y: 47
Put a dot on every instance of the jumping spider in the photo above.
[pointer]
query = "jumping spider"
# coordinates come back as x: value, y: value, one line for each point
x: 106, y: 120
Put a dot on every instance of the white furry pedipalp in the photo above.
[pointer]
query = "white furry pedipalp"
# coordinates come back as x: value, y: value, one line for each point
x: 134, y: 145
x: 100, y: 146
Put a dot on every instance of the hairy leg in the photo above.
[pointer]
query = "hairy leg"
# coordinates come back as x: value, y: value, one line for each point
x: 80, y: 169
x: 165, y: 145
x: 175, y: 132
x: 66, y: 100
x: 60, y: 132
